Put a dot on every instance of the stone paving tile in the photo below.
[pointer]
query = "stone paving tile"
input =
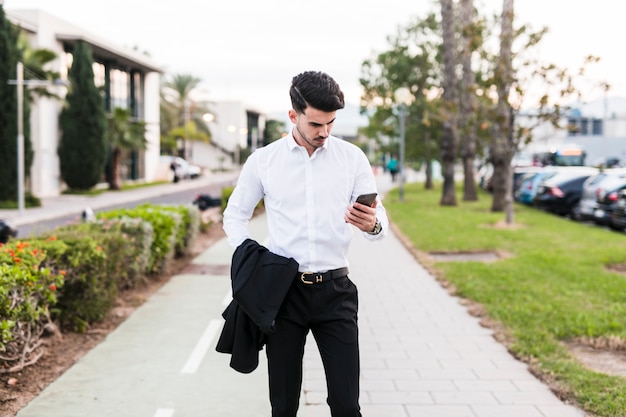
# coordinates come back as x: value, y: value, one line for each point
x: 442, y: 411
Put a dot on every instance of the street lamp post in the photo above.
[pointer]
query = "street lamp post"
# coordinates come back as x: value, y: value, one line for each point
x: 20, y: 138
x: 20, y: 83
x: 186, y: 121
x: 403, y: 97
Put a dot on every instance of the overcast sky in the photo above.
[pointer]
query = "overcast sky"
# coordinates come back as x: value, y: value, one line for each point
x: 249, y: 50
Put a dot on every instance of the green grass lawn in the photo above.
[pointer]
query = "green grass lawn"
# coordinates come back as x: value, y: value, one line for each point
x: 553, y: 287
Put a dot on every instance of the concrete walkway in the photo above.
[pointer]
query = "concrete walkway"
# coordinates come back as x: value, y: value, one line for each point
x: 422, y: 354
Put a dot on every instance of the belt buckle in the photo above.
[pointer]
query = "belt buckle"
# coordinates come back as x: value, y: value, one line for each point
x: 318, y: 278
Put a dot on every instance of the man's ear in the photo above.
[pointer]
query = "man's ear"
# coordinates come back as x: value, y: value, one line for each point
x: 293, y: 116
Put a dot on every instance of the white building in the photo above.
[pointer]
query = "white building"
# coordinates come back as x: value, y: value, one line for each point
x: 599, y: 127
x: 234, y: 127
x: 129, y: 80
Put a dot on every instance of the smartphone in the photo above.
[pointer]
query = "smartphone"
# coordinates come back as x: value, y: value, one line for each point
x: 366, y: 199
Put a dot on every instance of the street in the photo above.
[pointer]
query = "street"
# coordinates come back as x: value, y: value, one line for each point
x: 185, y: 196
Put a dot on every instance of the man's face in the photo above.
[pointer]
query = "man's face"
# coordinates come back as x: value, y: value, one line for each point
x: 312, y: 128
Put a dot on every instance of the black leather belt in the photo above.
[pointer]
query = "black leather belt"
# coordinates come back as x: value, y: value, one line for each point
x: 311, y: 278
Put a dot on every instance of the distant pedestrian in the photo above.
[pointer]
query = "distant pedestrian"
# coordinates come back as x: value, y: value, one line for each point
x: 309, y: 181
x: 393, y: 167
x: 174, y: 168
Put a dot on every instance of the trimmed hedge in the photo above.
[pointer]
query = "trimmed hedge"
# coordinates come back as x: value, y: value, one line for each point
x: 88, y: 291
x: 73, y: 275
x: 165, y: 225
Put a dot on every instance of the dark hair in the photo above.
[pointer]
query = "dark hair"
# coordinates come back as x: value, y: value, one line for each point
x: 315, y: 89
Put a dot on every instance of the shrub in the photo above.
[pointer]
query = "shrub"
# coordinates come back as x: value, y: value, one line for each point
x: 226, y: 193
x: 88, y: 292
x: 165, y: 227
x: 27, y: 290
x: 126, y: 241
x: 187, y: 228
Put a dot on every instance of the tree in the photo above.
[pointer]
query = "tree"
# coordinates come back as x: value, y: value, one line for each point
x: 514, y: 74
x: 504, y: 147
x: 9, y: 57
x: 449, y: 138
x: 83, y: 148
x: 410, y: 62
x: 467, y: 99
x: 35, y: 62
x: 180, y: 110
x: 274, y: 130
x: 123, y: 134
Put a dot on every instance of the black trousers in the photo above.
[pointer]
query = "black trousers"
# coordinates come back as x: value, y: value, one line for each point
x: 329, y: 310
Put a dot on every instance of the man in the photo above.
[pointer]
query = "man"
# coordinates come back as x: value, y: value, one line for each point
x: 309, y: 181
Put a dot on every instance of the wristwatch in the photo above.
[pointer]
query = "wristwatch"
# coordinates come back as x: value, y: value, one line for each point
x: 377, y: 228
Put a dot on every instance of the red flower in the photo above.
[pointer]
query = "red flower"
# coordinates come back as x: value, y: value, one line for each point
x: 53, y: 287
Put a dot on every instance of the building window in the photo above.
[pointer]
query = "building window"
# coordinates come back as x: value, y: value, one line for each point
x: 584, y: 126
x: 99, y: 74
x: 137, y: 104
x: 120, y: 89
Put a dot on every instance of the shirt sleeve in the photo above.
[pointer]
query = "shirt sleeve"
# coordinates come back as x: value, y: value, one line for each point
x: 242, y: 202
x: 381, y: 215
x: 365, y: 183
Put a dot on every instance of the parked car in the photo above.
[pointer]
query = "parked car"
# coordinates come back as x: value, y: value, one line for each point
x: 588, y: 198
x: 618, y: 216
x: 529, y: 185
x: 521, y: 185
x: 521, y: 173
x: 607, y: 195
x: 181, y: 168
x: 591, y: 189
x: 560, y: 194
x: 485, y: 175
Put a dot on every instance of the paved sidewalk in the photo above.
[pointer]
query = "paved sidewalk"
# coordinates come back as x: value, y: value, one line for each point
x: 422, y: 354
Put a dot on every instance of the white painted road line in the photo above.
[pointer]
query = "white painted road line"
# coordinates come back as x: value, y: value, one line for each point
x: 164, y: 412
x: 192, y: 364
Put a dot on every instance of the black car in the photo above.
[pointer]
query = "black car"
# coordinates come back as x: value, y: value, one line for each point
x: 561, y: 193
x: 591, y: 190
x: 618, y: 217
x: 607, y: 195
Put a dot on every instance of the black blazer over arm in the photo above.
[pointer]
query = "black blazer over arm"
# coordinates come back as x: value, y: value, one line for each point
x: 260, y: 280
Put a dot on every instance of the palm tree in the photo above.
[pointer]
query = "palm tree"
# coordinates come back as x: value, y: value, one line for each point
x: 179, y: 110
x: 123, y: 133
x: 449, y: 133
x: 35, y: 61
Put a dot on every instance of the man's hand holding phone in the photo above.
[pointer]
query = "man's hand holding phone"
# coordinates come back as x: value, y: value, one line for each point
x: 362, y: 214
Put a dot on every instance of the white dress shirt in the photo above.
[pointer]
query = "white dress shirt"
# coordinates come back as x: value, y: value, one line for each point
x: 305, y: 199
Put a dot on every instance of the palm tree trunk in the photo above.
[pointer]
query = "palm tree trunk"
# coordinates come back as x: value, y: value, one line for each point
x: 115, y: 177
x: 504, y: 146
x: 449, y: 133
x: 467, y: 102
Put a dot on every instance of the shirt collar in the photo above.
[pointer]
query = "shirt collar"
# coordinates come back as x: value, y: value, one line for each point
x: 291, y: 142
